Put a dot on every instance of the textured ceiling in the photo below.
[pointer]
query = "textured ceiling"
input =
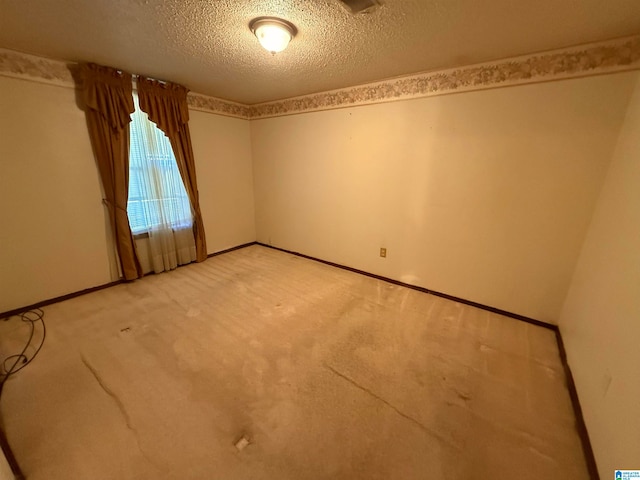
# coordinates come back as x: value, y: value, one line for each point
x: 207, y: 45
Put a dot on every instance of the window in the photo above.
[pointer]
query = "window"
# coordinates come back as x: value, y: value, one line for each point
x: 157, y: 197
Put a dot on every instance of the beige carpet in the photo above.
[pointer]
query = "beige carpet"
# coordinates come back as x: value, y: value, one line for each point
x: 329, y: 374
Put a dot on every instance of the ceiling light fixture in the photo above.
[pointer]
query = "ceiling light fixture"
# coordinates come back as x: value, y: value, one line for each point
x: 274, y: 34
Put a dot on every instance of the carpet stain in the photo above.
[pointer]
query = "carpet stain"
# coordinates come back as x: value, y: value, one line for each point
x: 421, y: 426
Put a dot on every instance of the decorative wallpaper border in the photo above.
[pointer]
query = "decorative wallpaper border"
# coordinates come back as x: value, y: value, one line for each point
x: 205, y: 103
x: 55, y: 72
x: 39, y: 69
x: 593, y: 59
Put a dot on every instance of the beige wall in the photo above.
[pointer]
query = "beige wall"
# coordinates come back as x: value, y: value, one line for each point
x: 222, y: 149
x: 484, y: 195
x: 52, y: 228
x: 53, y: 237
x: 600, y: 322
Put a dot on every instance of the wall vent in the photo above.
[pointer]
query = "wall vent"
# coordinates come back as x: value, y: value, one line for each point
x: 361, y: 6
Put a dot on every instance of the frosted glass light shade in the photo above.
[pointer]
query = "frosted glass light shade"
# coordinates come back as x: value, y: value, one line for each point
x: 272, y: 33
x: 273, y: 38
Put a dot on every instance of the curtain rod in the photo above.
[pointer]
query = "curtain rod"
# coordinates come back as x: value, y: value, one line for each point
x: 134, y: 78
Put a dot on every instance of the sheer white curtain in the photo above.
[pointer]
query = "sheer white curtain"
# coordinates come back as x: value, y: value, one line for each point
x: 158, y: 204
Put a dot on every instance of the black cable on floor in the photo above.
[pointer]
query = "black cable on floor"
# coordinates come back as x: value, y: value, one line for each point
x: 21, y: 360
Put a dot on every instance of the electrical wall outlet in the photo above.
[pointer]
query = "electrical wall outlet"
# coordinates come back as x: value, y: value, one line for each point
x: 383, y: 252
